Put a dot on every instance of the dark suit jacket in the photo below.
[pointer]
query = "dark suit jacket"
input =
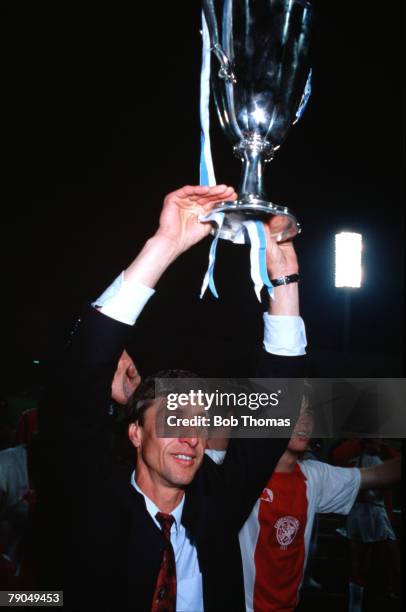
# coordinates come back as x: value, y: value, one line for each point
x: 112, y: 549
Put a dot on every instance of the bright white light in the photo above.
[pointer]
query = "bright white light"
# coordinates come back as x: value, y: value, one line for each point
x: 259, y: 115
x: 348, y: 259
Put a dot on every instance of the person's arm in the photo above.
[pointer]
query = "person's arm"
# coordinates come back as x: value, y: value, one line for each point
x: 85, y: 374
x: 284, y: 330
x: 179, y: 229
x: 249, y: 463
x: 75, y: 426
x: 281, y: 262
x: 381, y: 476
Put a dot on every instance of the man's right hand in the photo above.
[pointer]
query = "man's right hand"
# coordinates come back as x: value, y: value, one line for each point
x: 179, y: 229
x: 179, y: 221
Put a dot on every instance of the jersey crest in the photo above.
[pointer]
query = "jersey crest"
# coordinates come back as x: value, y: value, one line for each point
x: 286, y: 530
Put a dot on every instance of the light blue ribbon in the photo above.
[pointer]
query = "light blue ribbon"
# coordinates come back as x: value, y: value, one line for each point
x: 207, y: 176
x: 254, y: 229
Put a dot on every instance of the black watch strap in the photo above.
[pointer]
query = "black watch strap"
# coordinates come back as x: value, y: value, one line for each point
x: 285, y: 280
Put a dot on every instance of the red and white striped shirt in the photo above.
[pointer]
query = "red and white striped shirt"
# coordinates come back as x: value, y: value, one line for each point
x: 275, y: 539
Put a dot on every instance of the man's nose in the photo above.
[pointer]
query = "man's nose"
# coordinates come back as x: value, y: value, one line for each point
x: 192, y: 442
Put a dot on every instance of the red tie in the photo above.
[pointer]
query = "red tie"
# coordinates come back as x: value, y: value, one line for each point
x: 164, y: 599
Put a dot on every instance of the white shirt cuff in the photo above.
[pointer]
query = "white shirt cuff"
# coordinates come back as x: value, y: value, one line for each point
x: 284, y: 335
x: 124, y: 300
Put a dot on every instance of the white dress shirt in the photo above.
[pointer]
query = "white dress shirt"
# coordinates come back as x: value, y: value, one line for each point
x: 189, y: 585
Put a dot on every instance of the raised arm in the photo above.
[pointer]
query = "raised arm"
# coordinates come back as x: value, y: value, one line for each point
x: 249, y: 463
x: 75, y: 426
x: 86, y: 380
x: 284, y: 330
x: 383, y: 475
x: 179, y: 229
x: 282, y: 263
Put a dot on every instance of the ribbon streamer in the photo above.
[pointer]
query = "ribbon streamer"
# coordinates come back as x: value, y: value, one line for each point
x: 251, y: 231
x: 207, y: 176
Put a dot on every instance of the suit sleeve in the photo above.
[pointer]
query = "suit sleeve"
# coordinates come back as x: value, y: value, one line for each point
x: 75, y: 455
x: 250, y: 462
x: 74, y: 416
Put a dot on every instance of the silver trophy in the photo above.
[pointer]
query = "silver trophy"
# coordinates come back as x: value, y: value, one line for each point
x: 260, y: 78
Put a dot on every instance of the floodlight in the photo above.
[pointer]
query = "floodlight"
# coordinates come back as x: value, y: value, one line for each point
x: 348, y: 248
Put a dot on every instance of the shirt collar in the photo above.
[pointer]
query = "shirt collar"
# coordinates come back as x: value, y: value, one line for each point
x: 153, y: 508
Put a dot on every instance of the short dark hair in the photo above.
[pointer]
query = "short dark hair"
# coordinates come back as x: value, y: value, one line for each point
x: 136, y: 408
x: 144, y: 396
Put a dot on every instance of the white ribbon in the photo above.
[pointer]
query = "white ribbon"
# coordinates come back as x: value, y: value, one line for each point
x: 208, y: 281
x: 206, y: 162
x: 252, y: 232
x: 259, y: 272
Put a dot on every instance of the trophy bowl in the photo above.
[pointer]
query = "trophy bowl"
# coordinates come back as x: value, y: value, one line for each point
x: 260, y: 78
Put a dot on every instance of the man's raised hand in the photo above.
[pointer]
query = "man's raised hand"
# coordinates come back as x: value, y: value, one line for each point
x: 281, y: 260
x: 179, y: 221
x: 179, y: 229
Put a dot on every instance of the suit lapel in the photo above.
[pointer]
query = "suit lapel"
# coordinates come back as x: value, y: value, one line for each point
x: 140, y: 540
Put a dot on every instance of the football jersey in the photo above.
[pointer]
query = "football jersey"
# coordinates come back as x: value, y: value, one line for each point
x: 275, y: 538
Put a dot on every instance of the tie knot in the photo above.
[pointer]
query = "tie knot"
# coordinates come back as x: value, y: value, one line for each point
x: 166, y: 521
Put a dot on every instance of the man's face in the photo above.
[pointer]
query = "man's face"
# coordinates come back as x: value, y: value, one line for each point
x: 170, y: 462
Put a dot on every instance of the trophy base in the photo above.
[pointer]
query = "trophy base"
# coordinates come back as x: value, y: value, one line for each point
x: 282, y: 222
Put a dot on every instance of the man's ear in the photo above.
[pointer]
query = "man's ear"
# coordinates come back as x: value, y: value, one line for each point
x: 135, y: 434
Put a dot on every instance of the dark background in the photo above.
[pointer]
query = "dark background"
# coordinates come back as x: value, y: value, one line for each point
x: 100, y: 121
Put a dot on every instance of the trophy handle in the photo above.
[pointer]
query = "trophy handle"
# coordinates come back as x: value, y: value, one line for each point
x: 226, y: 67
x: 223, y: 94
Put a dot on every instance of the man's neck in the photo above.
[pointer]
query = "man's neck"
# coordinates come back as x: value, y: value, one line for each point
x: 287, y: 462
x: 165, y: 498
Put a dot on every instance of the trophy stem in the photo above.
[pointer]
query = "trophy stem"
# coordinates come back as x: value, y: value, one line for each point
x: 252, y: 203
x: 254, y: 152
x: 251, y: 184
